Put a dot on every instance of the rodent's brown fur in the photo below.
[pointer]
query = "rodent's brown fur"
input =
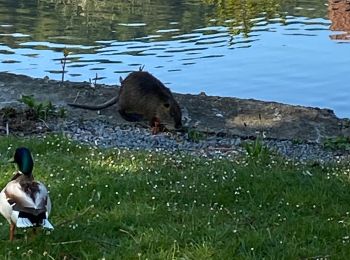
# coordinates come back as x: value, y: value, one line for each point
x: 143, y: 97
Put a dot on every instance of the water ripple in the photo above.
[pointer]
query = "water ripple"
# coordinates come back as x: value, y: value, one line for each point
x: 277, y: 50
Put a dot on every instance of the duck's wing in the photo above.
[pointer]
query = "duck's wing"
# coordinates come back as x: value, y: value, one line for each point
x: 42, y: 199
x: 48, y: 206
x: 30, y: 198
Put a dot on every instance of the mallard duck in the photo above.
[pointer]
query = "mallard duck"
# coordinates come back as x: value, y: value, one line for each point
x: 25, y: 202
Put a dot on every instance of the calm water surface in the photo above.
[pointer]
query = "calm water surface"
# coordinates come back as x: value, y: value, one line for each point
x: 295, y: 52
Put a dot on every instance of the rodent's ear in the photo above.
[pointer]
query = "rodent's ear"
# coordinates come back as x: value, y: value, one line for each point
x: 167, y: 105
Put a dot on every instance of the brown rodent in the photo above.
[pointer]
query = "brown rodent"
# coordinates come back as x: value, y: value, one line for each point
x: 143, y: 97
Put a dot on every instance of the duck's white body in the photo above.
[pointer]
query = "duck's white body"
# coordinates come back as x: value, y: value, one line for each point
x: 14, y: 198
x: 25, y: 202
x: 6, y: 209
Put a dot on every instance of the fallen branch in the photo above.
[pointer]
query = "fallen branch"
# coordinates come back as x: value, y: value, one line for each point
x: 127, y: 232
x: 67, y: 242
x: 76, y: 216
x: 42, y: 120
x: 76, y: 97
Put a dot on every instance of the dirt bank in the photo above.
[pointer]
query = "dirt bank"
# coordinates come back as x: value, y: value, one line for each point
x: 228, y: 116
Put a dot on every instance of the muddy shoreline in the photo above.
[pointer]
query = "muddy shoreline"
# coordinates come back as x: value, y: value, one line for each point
x: 222, y: 123
x: 219, y: 115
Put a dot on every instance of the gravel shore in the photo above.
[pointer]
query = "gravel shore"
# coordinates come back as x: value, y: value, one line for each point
x: 103, y: 134
x: 299, y: 130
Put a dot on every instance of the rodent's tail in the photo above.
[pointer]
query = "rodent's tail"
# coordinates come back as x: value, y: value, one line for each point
x: 108, y: 103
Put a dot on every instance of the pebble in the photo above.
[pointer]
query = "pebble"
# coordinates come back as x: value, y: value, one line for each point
x: 105, y: 135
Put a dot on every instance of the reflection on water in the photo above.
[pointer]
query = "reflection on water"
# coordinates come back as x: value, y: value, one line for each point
x: 268, y: 49
x: 339, y: 14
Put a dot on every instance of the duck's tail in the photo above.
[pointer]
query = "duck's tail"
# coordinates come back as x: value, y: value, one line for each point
x: 27, y: 220
x: 46, y: 224
x: 24, y: 223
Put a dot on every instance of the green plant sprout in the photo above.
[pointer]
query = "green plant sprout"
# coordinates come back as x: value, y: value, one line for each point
x: 63, y: 62
x: 42, y: 110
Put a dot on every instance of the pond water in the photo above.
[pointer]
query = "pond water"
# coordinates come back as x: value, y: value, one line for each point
x: 289, y: 51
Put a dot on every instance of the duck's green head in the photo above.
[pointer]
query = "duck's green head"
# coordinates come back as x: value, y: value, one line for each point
x: 23, y: 158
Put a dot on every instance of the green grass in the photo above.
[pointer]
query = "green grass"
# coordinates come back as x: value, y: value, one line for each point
x: 118, y: 204
x: 340, y: 143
